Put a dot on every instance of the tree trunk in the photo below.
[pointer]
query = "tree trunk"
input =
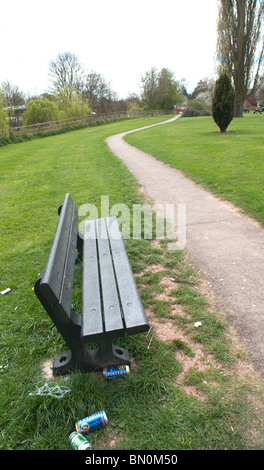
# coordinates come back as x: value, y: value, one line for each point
x: 238, y: 110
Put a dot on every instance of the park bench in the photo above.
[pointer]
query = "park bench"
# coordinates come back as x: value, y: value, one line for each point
x: 111, y: 306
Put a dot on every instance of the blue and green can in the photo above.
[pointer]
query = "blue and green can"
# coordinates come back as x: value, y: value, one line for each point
x: 114, y: 371
x: 91, y: 422
x: 78, y: 441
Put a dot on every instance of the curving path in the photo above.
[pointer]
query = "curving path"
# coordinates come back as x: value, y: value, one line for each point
x: 225, y: 245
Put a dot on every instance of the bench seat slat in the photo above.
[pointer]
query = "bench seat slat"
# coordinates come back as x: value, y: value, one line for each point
x: 134, y: 316
x: 112, y: 313
x: 92, y: 323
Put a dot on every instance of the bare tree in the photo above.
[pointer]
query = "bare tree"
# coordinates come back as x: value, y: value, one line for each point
x: 239, y: 47
x: 66, y: 72
x: 98, y: 92
x: 90, y: 88
x: 12, y: 95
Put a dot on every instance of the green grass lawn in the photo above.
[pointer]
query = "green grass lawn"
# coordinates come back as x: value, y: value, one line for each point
x: 231, y: 165
x: 215, y: 404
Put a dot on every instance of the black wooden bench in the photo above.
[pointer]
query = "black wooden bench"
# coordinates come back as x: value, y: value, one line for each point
x: 111, y: 305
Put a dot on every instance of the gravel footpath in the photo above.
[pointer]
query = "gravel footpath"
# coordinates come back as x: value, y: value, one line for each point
x: 226, y: 246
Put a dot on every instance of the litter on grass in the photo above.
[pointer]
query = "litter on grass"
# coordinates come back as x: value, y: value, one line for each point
x: 109, y: 372
x: 4, y: 365
x: 3, y: 292
x: 52, y: 389
x: 198, y: 323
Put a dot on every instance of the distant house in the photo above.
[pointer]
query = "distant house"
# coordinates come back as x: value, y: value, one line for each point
x: 15, y: 115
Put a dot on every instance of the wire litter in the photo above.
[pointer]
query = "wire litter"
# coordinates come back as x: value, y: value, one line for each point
x: 52, y: 389
x: 4, y: 365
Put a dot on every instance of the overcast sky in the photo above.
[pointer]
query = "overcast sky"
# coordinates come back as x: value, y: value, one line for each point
x: 120, y: 39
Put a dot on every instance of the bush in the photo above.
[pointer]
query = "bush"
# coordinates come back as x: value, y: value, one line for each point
x: 191, y: 112
x: 196, y: 104
x: 223, y: 102
x: 40, y: 110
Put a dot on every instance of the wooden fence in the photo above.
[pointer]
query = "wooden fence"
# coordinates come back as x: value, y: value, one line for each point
x: 85, y: 120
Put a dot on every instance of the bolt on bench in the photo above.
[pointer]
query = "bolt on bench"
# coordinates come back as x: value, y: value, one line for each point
x: 111, y: 306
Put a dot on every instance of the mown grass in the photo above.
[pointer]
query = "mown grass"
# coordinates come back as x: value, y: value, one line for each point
x: 147, y: 409
x: 231, y: 165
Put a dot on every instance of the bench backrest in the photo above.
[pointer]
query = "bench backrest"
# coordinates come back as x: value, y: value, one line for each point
x: 56, y: 280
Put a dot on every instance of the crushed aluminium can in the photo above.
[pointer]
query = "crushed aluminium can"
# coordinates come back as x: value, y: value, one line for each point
x: 91, y: 422
x: 78, y: 441
x: 109, y: 372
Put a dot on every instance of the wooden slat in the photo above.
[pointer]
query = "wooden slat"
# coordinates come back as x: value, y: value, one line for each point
x: 133, y: 312
x: 64, y: 243
x: 68, y: 275
x: 112, y: 313
x: 92, y: 323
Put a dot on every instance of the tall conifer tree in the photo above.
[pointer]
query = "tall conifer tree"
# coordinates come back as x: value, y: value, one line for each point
x: 223, y: 102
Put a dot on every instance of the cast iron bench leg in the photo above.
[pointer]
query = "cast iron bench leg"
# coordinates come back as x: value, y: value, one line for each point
x: 105, y: 355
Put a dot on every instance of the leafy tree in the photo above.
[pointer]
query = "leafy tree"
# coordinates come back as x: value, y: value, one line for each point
x: 71, y: 103
x: 169, y: 91
x: 4, y: 127
x: 63, y: 104
x: 160, y: 90
x: 40, y: 110
x: 223, y: 102
x: 133, y: 103
x: 239, y: 37
x: 150, y: 86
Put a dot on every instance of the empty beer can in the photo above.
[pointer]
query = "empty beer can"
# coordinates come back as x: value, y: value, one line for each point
x: 91, y: 422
